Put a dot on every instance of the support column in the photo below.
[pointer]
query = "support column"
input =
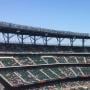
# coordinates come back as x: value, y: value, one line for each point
x: 83, y: 42
x: 34, y: 40
x: 71, y: 41
x: 46, y: 40
x: 8, y: 38
x: 22, y: 39
x: 4, y: 37
x: 59, y: 40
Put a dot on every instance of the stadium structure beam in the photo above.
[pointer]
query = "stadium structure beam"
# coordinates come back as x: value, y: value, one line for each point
x: 40, y: 32
x: 22, y: 29
x: 21, y: 39
x: 30, y: 67
x: 42, y: 53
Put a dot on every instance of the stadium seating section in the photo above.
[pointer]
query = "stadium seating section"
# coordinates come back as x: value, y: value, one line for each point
x: 22, y: 77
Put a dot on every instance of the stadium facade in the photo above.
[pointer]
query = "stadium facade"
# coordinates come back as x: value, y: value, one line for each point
x: 29, y: 62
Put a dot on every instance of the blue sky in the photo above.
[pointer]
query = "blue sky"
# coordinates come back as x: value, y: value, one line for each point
x: 68, y: 15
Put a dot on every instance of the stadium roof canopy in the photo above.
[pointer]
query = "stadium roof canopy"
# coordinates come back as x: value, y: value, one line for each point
x: 26, y: 30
